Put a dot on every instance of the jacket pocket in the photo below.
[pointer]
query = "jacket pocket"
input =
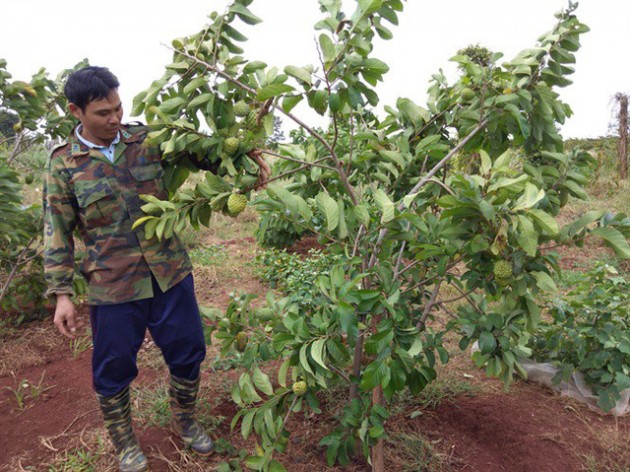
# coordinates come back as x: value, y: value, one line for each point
x: 98, y: 205
x: 149, y: 179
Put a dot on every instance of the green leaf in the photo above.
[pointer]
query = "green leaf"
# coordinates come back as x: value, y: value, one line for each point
x: 615, y: 240
x: 273, y: 90
x: 262, y: 382
x: 300, y: 73
x: 582, y: 222
x: 255, y: 462
x: 486, y: 162
x: 275, y: 466
x: 545, y: 282
x: 343, y: 227
x: 416, y: 115
x: 556, y: 156
x: 195, y: 84
x: 282, y: 373
x: 575, y: 189
x: 487, y: 342
x: 531, y: 196
x: 512, y: 184
x: 487, y: 210
x: 527, y: 236
x: 138, y: 103
x: 320, y: 101
x: 246, y: 424
x: 395, y: 157
x: 385, y: 205
x: 370, y: 6
x: 253, y: 66
x: 328, y: 206
x: 547, y: 222
x: 244, y: 14
x: 606, y: 400
x: 290, y: 101
x: 375, y: 65
x: 362, y: 214
x: 304, y: 360
x: 375, y: 373
x: 200, y: 100
x: 328, y: 47
x: 317, y: 352
x: 172, y: 104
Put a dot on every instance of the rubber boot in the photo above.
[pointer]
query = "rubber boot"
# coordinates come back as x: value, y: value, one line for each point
x: 117, y: 417
x: 183, y: 396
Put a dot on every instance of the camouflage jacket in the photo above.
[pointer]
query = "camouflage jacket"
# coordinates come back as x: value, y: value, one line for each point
x: 84, y: 190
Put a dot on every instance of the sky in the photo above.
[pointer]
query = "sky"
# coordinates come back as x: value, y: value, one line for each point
x: 129, y: 37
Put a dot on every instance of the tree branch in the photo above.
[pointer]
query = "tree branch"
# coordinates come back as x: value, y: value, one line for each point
x: 426, y: 179
x: 311, y: 131
x: 427, y: 309
x: 452, y: 300
x: 299, y: 161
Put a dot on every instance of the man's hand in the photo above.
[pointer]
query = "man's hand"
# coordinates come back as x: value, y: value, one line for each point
x: 66, y: 316
x: 264, y: 171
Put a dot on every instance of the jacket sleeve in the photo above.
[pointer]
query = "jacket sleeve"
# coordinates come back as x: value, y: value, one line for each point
x: 60, y: 219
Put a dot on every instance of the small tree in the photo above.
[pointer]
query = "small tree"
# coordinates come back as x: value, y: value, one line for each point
x: 36, y: 112
x: 8, y: 121
x: 39, y: 107
x: 622, y: 144
x: 386, y: 197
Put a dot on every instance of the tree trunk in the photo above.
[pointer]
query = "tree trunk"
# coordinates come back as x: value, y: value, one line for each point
x: 622, y: 145
x: 378, y: 461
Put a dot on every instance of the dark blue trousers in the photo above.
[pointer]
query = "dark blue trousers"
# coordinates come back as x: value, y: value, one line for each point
x: 118, y: 330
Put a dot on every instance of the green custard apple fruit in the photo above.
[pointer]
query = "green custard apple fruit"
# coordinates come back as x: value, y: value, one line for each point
x: 251, y: 121
x: 468, y: 94
x: 503, y: 271
x: 241, y: 341
x: 231, y: 145
x: 299, y: 388
x: 241, y: 108
x: 236, y: 204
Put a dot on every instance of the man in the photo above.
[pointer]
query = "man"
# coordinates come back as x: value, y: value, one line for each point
x: 93, y: 183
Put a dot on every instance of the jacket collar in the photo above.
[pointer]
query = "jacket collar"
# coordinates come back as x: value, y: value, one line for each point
x: 76, y: 148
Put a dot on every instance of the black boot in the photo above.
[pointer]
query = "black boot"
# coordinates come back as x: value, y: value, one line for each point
x: 117, y: 416
x: 183, y: 396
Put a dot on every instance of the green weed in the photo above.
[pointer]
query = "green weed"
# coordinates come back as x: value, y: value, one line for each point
x: 153, y: 409
x: 444, y: 389
x: 209, y: 255
x: 417, y: 454
x: 77, y: 460
x: 81, y: 344
x: 28, y: 390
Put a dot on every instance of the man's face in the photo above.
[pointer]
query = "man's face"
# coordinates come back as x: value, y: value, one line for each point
x: 101, y: 119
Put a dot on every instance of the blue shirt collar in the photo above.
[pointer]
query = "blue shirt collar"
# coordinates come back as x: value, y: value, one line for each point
x: 108, y: 151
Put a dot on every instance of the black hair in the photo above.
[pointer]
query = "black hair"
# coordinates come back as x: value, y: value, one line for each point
x: 89, y: 83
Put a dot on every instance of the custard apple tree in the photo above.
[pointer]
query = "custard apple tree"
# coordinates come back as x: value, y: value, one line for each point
x: 423, y: 204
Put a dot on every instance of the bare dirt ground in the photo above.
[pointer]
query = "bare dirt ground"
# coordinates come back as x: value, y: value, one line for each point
x: 49, y: 419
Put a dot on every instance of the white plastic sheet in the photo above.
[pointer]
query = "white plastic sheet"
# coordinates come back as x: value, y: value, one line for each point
x: 576, y: 387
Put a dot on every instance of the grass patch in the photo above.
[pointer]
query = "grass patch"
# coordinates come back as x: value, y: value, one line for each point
x: 89, y: 451
x: 228, y: 228
x: 151, y: 402
x: 81, y: 343
x: 208, y: 256
x: 152, y: 407
x: 415, y: 453
x: 77, y: 460
x: 150, y: 357
x: 446, y: 388
x: 27, y: 392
